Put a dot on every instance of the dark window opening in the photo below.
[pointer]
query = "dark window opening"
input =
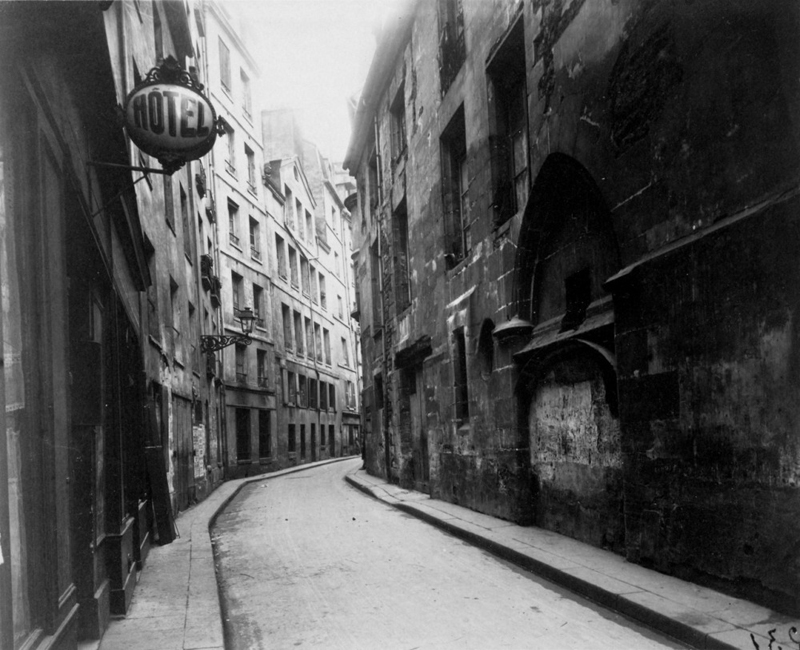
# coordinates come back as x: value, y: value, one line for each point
x: 302, y: 441
x: 455, y: 187
x: 290, y: 441
x: 264, y: 435
x: 452, y: 50
x: 402, y: 284
x: 486, y: 349
x: 242, y: 434
x: 398, y: 116
x: 460, y: 375
x: 508, y: 140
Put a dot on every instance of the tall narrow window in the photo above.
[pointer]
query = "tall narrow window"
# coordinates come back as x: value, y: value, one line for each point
x: 302, y: 441
x: 288, y: 208
x: 377, y: 282
x: 398, y: 118
x: 233, y: 223
x: 298, y: 334
x: 169, y: 202
x: 290, y: 439
x: 304, y: 276
x: 402, y: 285
x: 255, y: 240
x: 187, y: 229
x: 312, y: 393
x: 309, y: 227
x: 326, y: 343
x: 236, y: 291
x: 293, y: 267
x: 292, y: 387
x: 508, y: 139
x: 241, y: 364
x: 322, y: 295
x: 454, y: 189
x: 230, y: 158
x: 243, y: 434
x: 264, y: 434
x: 314, y: 284
x: 251, y: 169
x: 280, y: 253
x: 224, y: 66
x: 309, y: 337
x: 246, y: 96
x: 318, y: 342
x: 451, y: 41
x: 298, y: 214
x: 460, y: 376
x: 323, y: 396
x: 261, y: 367
x: 302, y: 391
x: 287, y: 327
x: 345, y: 352
x: 258, y: 306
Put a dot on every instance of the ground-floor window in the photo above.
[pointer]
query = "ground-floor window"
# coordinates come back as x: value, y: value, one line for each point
x: 264, y: 434
x: 243, y: 434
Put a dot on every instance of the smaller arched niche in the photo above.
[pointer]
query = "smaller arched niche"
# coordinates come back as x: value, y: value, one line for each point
x: 567, y: 246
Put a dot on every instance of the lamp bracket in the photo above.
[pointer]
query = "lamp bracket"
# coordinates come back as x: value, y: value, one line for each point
x: 214, y: 342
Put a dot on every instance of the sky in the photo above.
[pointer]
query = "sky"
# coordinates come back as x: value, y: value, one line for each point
x: 313, y: 55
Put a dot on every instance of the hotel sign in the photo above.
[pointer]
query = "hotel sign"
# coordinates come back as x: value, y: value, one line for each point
x: 169, y: 118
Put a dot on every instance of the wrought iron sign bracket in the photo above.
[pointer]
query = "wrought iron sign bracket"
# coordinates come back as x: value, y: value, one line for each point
x: 215, y: 342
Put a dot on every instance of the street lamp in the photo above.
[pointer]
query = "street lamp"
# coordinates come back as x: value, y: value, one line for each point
x: 214, y: 342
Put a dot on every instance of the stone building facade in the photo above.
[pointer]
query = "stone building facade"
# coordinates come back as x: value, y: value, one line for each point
x: 576, y: 230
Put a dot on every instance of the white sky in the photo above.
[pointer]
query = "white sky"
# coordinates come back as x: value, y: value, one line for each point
x: 312, y: 55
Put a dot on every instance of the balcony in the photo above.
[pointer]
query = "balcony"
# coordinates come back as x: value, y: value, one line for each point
x: 206, y: 268
x: 241, y: 377
x: 233, y: 239
x: 251, y: 187
x: 255, y: 253
x: 230, y: 167
x: 262, y: 382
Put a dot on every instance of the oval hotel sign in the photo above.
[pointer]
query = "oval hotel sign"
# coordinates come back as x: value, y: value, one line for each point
x: 166, y: 117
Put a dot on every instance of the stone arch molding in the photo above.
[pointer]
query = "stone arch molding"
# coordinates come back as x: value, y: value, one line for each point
x: 566, y: 229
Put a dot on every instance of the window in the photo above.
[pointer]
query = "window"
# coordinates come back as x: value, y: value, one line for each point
x: 258, y: 308
x: 287, y: 327
x: 298, y: 334
x: 304, y: 276
x: 340, y: 304
x: 332, y: 439
x: 309, y: 338
x: 322, y: 297
x: 230, y: 159
x: 402, y: 284
x: 451, y: 41
x: 243, y: 434
x: 312, y: 393
x: 345, y: 352
x: 377, y: 282
x: 350, y: 395
x: 302, y: 441
x: 332, y: 397
x: 293, y: 266
x: 302, y: 393
x: 290, y: 440
x: 508, y: 139
x: 486, y: 349
x: 454, y: 189
x: 251, y: 169
x: 314, y: 284
x: 288, y: 209
x: 374, y: 187
x: 326, y: 342
x: 460, y: 376
x: 280, y: 252
x: 578, y: 293
x: 264, y: 434
x: 323, y: 396
x: 298, y: 215
x: 398, y: 117
x: 292, y: 387
x: 233, y: 223
x: 261, y: 367
x: 309, y: 228
x: 241, y: 364
x: 318, y: 341
x: 378, y: 387
x: 246, y: 96
x: 224, y: 66
x: 337, y: 268
x: 175, y: 304
x: 236, y: 291
x: 255, y: 240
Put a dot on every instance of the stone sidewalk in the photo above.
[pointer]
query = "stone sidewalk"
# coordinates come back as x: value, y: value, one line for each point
x: 694, y: 615
x: 176, y: 602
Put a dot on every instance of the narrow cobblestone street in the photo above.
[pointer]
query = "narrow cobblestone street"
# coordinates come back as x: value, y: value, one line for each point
x: 305, y: 560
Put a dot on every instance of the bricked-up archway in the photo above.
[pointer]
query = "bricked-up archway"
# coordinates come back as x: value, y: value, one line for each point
x: 567, y: 395
x: 566, y: 231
